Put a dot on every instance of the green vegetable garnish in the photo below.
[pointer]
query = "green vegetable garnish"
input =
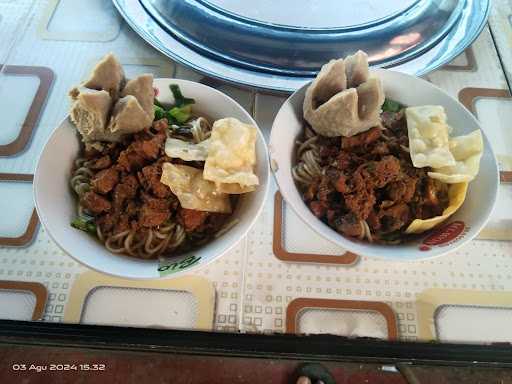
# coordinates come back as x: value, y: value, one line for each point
x: 158, y: 103
x: 179, y: 99
x: 159, y: 112
x: 182, y: 131
x: 392, y: 236
x: 181, y: 114
x: 84, y: 224
x: 181, y: 111
x: 391, y: 106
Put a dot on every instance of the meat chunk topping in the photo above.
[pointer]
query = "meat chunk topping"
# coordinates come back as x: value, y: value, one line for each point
x: 105, y: 180
x: 369, y: 182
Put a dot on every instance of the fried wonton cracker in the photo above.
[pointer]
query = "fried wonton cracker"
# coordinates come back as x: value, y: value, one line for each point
x: 467, y: 151
x: 192, y: 190
x: 187, y: 151
x: 232, y: 154
x: 456, y: 196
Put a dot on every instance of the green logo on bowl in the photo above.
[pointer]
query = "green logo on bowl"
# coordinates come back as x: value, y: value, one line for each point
x: 168, y: 267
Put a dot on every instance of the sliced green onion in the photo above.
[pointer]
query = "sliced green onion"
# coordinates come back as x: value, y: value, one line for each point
x: 84, y: 224
x: 181, y: 114
x: 179, y: 99
x: 391, y: 106
x: 182, y: 110
x: 182, y: 131
x: 158, y: 103
x: 392, y: 236
x: 159, y: 112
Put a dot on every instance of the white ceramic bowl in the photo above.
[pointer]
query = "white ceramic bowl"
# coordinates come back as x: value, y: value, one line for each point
x: 56, y: 204
x: 408, y: 90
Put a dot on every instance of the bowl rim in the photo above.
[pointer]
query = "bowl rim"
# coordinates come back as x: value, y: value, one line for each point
x: 329, y: 234
x: 43, y: 218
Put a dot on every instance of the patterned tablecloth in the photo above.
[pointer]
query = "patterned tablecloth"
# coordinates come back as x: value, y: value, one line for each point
x: 282, y: 277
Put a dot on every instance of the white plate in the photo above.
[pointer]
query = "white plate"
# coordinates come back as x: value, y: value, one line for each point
x: 408, y: 90
x: 56, y: 204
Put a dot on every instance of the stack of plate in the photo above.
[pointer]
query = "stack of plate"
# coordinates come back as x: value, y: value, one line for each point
x: 280, y: 44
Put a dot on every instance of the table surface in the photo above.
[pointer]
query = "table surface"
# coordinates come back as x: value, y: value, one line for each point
x: 281, y: 277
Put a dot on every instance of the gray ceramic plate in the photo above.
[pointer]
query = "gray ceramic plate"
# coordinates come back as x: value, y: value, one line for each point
x: 280, y: 45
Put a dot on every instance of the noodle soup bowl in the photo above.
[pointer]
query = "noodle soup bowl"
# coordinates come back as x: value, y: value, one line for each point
x: 56, y: 203
x: 459, y: 229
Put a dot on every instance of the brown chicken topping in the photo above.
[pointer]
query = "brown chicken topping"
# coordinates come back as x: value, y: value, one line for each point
x: 370, y: 178
x: 126, y: 191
